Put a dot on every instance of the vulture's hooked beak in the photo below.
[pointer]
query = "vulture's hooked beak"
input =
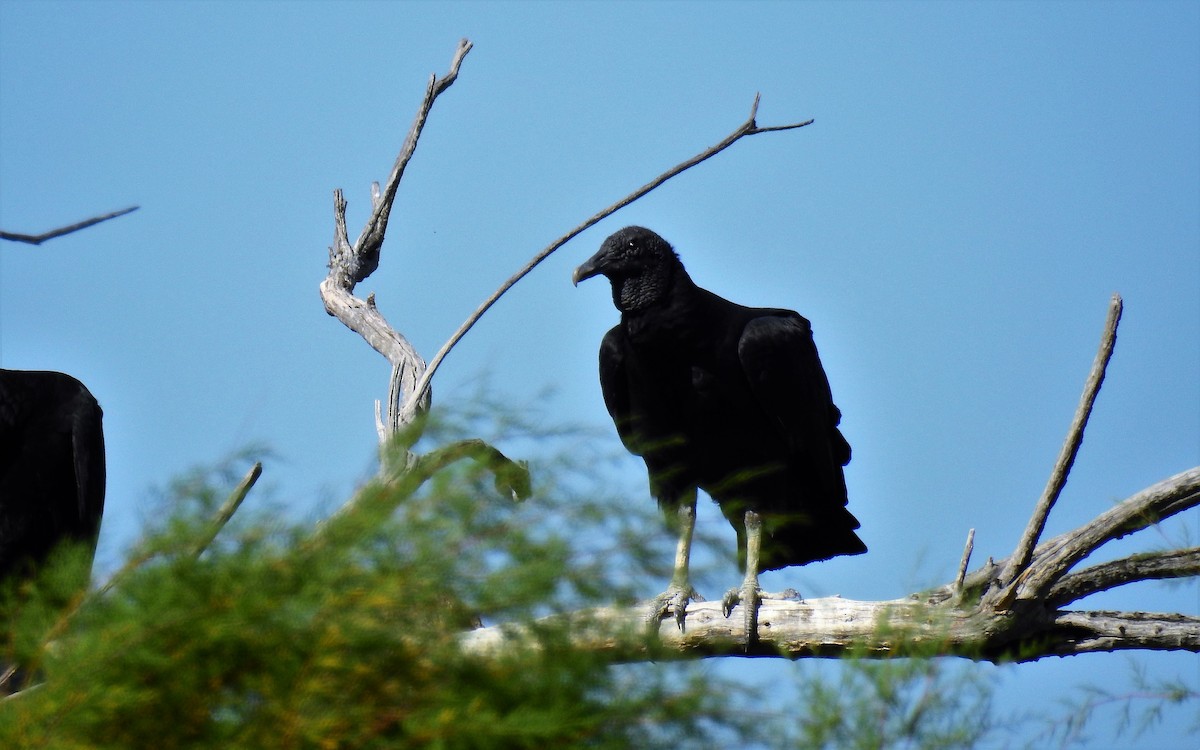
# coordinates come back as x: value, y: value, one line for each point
x: 591, y: 267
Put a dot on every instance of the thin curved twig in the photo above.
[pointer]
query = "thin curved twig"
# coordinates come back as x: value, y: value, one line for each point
x: 510, y: 478
x: 749, y: 127
x: 219, y: 520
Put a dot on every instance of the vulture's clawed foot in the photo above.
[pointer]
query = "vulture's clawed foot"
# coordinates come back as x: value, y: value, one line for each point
x: 749, y: 595
x: 673, y: 601
x: 734, y: 597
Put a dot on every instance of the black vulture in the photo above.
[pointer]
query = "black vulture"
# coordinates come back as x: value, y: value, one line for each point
x: 51, y: 467
x: 729, y: 399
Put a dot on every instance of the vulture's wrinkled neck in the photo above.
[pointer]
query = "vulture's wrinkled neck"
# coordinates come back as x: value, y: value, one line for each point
x: 653, y: 287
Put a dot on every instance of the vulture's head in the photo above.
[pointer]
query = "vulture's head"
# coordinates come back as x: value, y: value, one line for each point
x: 640, y: 265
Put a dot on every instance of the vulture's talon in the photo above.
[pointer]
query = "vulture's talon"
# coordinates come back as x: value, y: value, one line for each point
x: 673, y: 601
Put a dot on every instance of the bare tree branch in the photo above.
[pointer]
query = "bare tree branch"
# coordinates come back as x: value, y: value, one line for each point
x: 371, y: 239
x: 228, y: 508
x: 1153, y: 504
x: 968, y: 548
x: 364, y: 318
x: 920, y: 623
x: 1066, y: 457
x: 1089, y: 632
x: 834, y: 627
x: 1149, y: 506
x: 350, y: 264
x: 1184, y: 563
x: 37, y: 239
x: 409, y: 387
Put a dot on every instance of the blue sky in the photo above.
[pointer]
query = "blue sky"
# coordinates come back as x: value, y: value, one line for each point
x: 979, y: 180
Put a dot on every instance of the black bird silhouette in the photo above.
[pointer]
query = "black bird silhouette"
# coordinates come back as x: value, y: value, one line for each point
x: 51, y: 467
x: 729, y: 399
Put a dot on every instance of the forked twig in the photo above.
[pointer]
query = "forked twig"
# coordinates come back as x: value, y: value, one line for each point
x: 350, y: 264
x: 371, y: 239
x: 1150, y: 506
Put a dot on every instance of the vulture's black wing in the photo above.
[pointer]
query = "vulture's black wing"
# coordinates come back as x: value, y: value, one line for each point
x: 87, y: 443
x: 785, y: 377
x: 642, y: 394
x: 614, y: 384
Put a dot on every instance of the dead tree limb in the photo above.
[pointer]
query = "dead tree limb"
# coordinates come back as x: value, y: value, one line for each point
x: 968, y: 548
x: 926, y: 623
x: 350, y: 264
x: 37, y: 239
x: 1184, y: 563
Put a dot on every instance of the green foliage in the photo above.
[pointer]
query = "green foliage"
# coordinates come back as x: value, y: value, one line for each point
x: 344, y: 634
x: 32, y: 605
x: 1137, y: 709
x: 917, y: 701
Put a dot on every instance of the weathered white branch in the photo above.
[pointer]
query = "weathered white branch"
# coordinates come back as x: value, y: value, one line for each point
x: 938, y: 622
x: 350, y: 264
x: 371, y: 239
x: 1184, y: 563
x: 1089, y: 632
x: 834, y: 627
x: 1153, y: 504
x: 1149, y: 506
